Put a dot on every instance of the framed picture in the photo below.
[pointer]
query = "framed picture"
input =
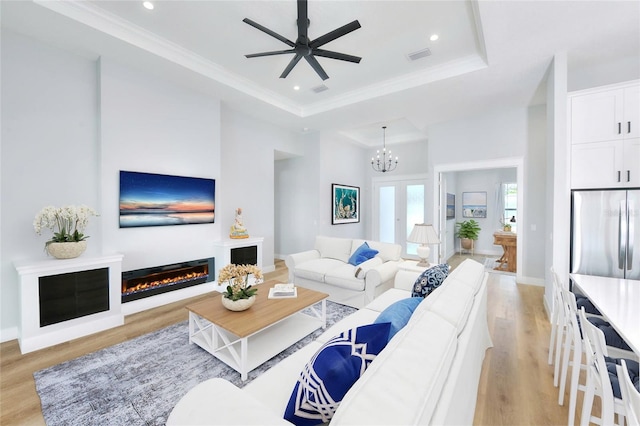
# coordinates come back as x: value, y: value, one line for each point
x: 451, y: 206
x: 345, y: 201
x: 148, y: 199
x: 474, y: 204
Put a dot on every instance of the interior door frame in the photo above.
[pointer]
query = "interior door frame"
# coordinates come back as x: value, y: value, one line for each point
x: 423, y: 178
x: 439, y: 196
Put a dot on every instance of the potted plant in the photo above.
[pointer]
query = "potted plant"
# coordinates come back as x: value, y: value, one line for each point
x: 68, y: 224
x: 239, y: 294
x: 468, y: 231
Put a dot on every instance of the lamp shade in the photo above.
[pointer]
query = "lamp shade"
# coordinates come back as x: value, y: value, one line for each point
x: 423, y: 234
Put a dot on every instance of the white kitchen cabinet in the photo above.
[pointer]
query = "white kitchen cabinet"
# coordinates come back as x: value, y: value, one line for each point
x: 603, y: 115
x: 607, y: 164
x: 604, y: 131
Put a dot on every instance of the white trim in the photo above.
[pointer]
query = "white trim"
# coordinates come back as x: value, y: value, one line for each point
x: 8, y: 334
x: 498, y: 163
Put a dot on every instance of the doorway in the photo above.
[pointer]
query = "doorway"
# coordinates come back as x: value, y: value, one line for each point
x: 441, y: 187
x: 399, y: 202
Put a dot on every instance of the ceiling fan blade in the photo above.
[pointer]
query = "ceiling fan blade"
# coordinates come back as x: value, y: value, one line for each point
x: 339, y: 32
x: 268, y: 31
x: 316, y: 66
x: 336, y: 55
x: 275, y: 52
x: 303, y: 19
x: 289, y: 67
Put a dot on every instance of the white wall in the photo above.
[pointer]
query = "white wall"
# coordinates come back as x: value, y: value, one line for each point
x: 248, y: 149
x: 496, y: 135
x: 303, y: 191
x: 70, y: 124
x: 49, y: 152
x: 155, y: 127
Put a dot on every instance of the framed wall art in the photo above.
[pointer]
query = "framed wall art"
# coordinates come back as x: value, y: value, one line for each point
x: 345, y: 201
x: 148, y: 199
x: 451, y: 206
x: 474, y: 204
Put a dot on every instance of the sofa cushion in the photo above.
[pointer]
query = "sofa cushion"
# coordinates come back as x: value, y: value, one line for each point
x: 386, y: 251
x: 387, y: 298
x: 429, y: 280
x: 332, y: 371
x: 398, y: 314
x: 405, y: 381
x: 452, y: 301
x: 359, y: 318
x: 334, y: 248
x: 362, y: 253
x: 470, y: 273
x: 344, y: 275
x: 317, y: 268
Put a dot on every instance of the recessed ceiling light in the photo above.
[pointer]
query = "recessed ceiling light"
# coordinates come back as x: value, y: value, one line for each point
x: 148, y: 5
x: 434, y: 37
x: 296, y: 87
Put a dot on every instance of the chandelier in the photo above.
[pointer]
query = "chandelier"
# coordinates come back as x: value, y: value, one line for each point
x: 384, y: 164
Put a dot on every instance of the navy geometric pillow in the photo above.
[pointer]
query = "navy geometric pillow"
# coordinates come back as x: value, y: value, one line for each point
x: 429, y: 280
x: 332, y: 371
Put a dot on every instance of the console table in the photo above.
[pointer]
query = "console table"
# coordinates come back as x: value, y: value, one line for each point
x: 508, y: 241
x: 61, y: 300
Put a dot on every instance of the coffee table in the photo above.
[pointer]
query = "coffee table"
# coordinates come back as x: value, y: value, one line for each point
x: 245, y: 340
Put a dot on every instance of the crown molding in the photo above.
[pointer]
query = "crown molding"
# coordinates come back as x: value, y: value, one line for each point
x: 108, y: 23
x: 121, y: 29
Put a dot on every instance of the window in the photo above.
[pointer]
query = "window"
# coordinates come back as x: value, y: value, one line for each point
x: 510, y: 204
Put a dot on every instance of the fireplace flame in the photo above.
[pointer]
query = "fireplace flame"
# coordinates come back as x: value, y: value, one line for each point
x: 190, y: 276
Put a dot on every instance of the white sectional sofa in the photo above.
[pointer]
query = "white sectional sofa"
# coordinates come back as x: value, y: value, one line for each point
x: 427, y: 374
x: 325, y: 268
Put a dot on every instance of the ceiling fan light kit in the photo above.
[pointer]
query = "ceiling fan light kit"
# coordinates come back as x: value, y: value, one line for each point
x: 303, y: 47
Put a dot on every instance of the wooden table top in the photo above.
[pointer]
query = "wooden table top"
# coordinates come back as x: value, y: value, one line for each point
x: 263, y: 313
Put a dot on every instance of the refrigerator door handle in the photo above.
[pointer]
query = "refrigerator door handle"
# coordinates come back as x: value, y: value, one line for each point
x: 630, y: 239
x: 622, y: 234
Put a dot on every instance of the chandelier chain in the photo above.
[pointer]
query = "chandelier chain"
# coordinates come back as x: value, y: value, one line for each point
x: 381, y: 163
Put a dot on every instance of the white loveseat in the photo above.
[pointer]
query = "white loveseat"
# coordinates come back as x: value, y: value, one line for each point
x: 427, y: 374
x: 326, y: 269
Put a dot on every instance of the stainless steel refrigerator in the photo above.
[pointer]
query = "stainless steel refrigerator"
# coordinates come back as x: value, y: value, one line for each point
x: 605, y: 233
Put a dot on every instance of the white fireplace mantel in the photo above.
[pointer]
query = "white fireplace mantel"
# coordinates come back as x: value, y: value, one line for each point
x: 31, y: 335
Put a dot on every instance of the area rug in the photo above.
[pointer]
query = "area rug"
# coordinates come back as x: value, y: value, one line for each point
x: 138, y: 382
x: 490, y: 263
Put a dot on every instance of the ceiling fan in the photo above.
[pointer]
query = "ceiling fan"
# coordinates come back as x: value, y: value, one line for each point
x: 303, y: 48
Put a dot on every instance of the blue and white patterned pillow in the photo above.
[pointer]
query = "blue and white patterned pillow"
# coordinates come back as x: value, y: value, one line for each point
x: 332, y: 371
x: 429, y: 280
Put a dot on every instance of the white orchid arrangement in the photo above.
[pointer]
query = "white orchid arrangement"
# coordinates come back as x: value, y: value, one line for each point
x: 237, y: 279
x: 67, y: 223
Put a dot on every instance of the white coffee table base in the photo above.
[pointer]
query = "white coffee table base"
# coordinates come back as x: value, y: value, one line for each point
x: 244, y: 354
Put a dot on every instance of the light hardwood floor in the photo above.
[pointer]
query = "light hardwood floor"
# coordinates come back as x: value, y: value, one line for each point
x: 516, y: 386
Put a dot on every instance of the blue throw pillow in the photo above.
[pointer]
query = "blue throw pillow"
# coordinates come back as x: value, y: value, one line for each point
x: 429, y: 280
x: 362, y: 254
x: 332, y: 371
x: 398, y: 314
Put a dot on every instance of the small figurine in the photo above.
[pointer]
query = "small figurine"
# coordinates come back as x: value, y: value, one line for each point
x: 237, y: 229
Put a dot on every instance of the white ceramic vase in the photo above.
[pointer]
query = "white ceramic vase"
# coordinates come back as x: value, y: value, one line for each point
x: 67, y: 250
x: 238, y: 305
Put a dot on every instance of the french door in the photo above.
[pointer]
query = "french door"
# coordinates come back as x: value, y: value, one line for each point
x: 398, y: 204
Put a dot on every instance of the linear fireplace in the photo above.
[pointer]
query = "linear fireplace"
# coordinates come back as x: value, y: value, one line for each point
x: 146, y: 282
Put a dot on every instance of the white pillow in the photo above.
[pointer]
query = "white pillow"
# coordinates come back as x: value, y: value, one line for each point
x: 364, y: 267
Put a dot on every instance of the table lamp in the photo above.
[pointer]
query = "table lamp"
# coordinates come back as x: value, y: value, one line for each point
x: 424, y: 235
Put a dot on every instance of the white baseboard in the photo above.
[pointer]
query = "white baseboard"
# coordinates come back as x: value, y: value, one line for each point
x: 531, y: 281
x: 7, y: 334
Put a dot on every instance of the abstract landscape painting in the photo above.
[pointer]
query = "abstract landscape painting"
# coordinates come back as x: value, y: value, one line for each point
x: 148, y: 199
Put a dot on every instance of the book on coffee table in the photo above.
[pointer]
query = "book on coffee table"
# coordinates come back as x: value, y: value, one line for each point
x: 283, y: 291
